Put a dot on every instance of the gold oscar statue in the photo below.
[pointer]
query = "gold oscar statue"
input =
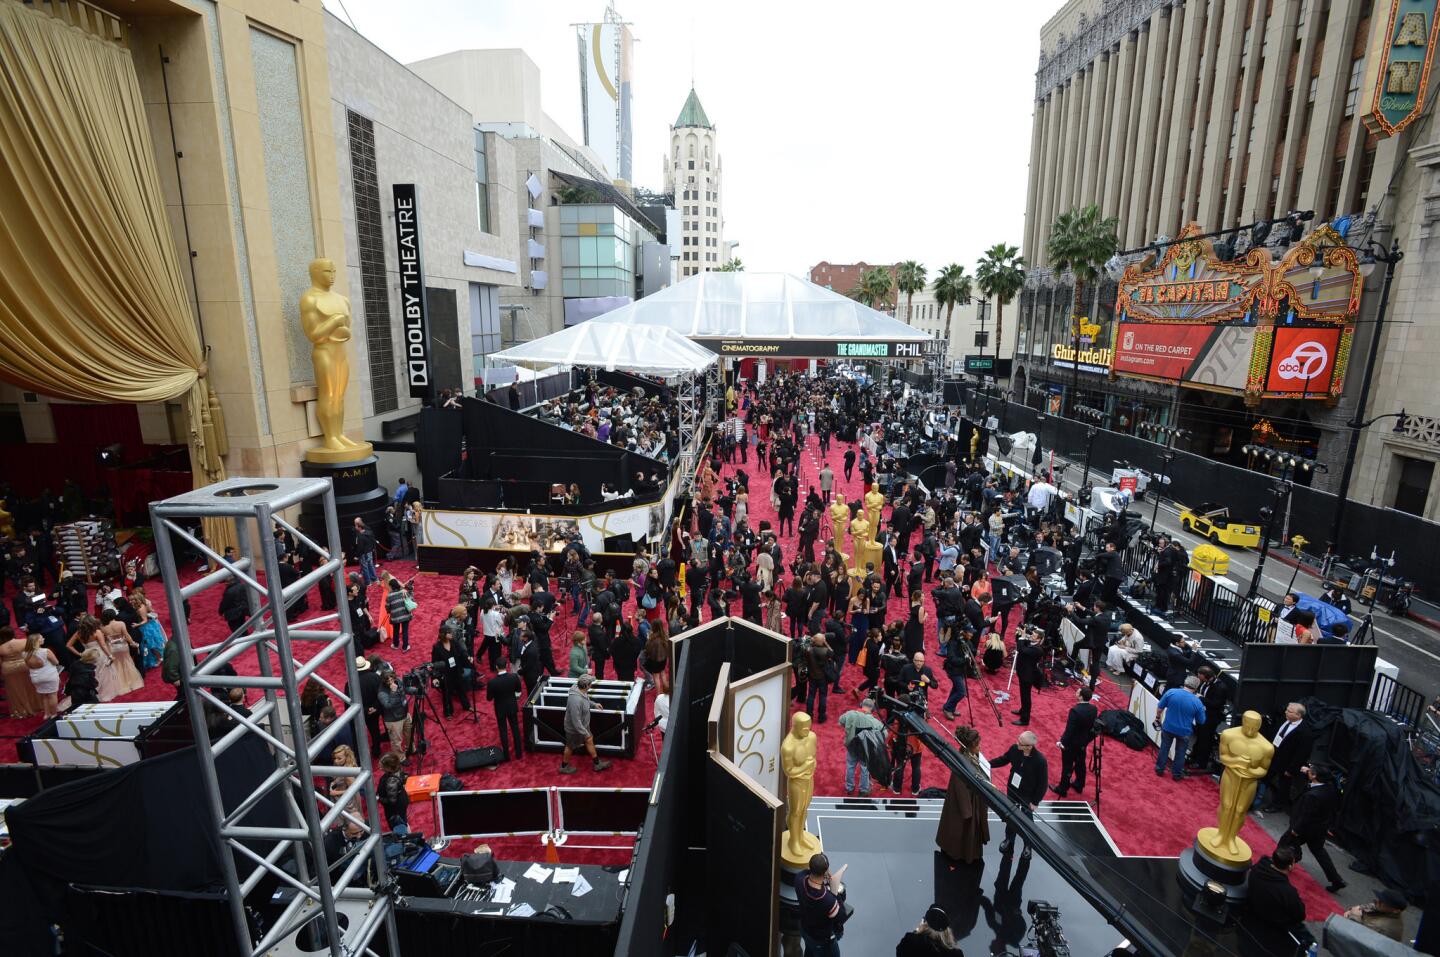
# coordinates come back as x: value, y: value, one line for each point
x: 1246, y: 755
x: 839, y: 518
x: 974, y: 443
x: 874, y: 501
x: 797, y: 760
x: 859, y: 538
x: 325, y: 315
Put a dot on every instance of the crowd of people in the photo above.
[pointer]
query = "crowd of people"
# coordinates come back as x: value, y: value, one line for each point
x: 875, y: 634
x: 632, y: 420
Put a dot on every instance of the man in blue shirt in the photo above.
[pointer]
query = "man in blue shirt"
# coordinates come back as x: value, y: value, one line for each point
x: 401, y: 490
x: 1179, y: 712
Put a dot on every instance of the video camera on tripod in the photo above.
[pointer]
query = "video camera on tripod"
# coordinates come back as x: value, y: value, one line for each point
x: 418, y: 679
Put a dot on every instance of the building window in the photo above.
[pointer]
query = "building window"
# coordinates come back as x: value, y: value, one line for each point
x: 1337, y: 177
x: 1367, y: 170
x: 482, y: 184
x: 692, y: 163
x: 982, y: 338
x: 1234, y: 133
x: 1412, y: 488
x: 1352, y: 91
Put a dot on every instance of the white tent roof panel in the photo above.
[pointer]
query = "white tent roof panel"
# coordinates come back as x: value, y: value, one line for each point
x: 745, y: 305
x: 632, y: 348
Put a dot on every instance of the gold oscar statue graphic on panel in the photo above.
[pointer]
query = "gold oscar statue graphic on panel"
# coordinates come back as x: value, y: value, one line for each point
x: 797, y: 760
x: 325, y: 316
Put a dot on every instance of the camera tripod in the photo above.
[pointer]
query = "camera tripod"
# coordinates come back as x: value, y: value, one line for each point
x: 1097, y: 760
x: 419, y: 745
x: 972, y: 665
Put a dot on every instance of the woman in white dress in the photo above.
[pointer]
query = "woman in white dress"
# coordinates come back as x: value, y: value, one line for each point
x: 44, y: 674
x: 1125, y: 650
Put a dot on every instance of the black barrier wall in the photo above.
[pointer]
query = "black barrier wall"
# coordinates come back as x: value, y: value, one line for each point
x: 1195, y: 479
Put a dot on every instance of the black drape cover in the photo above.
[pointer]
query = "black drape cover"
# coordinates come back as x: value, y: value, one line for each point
x: 144, y: 825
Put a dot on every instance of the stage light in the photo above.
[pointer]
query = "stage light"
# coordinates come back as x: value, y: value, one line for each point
x: 110, y: 456
x: 1400, y: 421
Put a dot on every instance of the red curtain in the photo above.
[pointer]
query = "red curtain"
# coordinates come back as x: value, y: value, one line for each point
x: 92, y: 427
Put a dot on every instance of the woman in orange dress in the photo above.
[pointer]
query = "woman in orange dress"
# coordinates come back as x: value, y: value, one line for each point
x: 20, y: 693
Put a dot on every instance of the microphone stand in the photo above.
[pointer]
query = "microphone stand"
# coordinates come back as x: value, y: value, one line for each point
x: 980, y: 673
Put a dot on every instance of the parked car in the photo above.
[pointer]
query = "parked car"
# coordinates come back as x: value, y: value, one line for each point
x: 1213, y: 522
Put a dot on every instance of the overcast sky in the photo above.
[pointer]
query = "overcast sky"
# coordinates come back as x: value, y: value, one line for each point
x: 849, y: 131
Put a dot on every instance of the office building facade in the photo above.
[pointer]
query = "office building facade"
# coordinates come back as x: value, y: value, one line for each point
x: 1224, y: 114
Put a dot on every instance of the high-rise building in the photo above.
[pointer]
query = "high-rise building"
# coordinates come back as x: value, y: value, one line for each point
x: 693, y: 175
x: 607, y: 51
x: 1228, y: 114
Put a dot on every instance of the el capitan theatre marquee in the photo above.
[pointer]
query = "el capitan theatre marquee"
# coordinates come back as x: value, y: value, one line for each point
x: 1258, y: 328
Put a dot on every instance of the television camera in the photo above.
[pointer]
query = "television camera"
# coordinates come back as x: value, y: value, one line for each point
x: 1046, y: 931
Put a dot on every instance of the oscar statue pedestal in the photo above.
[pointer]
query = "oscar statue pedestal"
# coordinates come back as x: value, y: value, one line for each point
x: 1202, y: 863
x: 809, y: 846
x: 358, y: 494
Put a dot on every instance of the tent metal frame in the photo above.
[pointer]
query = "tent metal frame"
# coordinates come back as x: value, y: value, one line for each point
x: 294, y: 855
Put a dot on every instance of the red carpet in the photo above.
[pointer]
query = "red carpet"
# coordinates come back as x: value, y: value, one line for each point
x: 1145, y: 815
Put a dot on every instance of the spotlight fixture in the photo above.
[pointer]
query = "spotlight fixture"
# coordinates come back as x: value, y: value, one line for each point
x: 111, y: 456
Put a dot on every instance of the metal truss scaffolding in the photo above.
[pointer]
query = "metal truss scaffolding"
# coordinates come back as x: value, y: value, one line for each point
x: 332, y: 901
x: 686, y: 395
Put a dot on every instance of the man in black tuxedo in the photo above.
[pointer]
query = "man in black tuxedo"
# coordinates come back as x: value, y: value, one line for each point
x: 1215, y: 693
x: 1169, y: 567
x: 900, y: 522
x: 1028, y: 647
x: 890, y: 559
x: 1293, y: 740
x: 1075, y: 743
x: 1310, y: 818
x: 1025, y: 787
x: 529, y: 662
x: 1096, y: 625
x: 1110, y: 569
x: 504, y: 691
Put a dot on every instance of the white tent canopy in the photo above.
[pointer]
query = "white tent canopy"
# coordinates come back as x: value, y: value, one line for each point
x: 654, y: 350
x: 746, y: 305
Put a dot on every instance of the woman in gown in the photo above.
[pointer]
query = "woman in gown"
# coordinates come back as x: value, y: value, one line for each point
x: 119, y: 643
x: 152, y: 633
x: 915, y: 625
x: 20, y: 693
x: 44, y: 671
x: 964, y: 817
x: 88, y: 634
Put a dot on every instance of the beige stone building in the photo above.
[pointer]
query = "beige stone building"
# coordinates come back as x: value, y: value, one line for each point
x: 968, y: 335
x: 1224, y: 113
x: 277, y: 132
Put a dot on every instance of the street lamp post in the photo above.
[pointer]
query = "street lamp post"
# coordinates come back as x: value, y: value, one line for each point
x: 1090, y: 434
x: 1391, y: 259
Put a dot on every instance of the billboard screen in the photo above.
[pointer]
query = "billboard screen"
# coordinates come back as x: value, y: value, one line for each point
x: 1216, y: 357
x: 605, y: 58
x: 1302, y: 360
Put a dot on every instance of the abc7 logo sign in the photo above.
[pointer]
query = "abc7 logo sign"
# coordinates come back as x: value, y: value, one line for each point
x: 1308, y: 360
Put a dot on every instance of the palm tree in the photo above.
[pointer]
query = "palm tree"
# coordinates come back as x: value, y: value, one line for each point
x: 952, y: 288
x: 909, y: 279
x: 1081, y: 241
x: 734, y: 265
x: 1000, y: 274
x: 874, y: 288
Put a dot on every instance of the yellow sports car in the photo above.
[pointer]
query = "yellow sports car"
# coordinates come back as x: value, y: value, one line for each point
x: 1213, y: 522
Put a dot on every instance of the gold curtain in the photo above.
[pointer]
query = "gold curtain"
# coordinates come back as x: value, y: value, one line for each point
x: 92, y: 303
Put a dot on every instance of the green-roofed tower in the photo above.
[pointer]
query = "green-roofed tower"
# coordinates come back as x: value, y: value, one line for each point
x: 692, y: 173
x: 693, y: 114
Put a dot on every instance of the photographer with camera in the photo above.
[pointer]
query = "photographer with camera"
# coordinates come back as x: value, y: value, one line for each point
x: 823, y: 911
x: 1170, y: 564
x: 1029, y: 646
x: 1110, y: 569
x: 916, y: 680
x: 1096, y: 625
